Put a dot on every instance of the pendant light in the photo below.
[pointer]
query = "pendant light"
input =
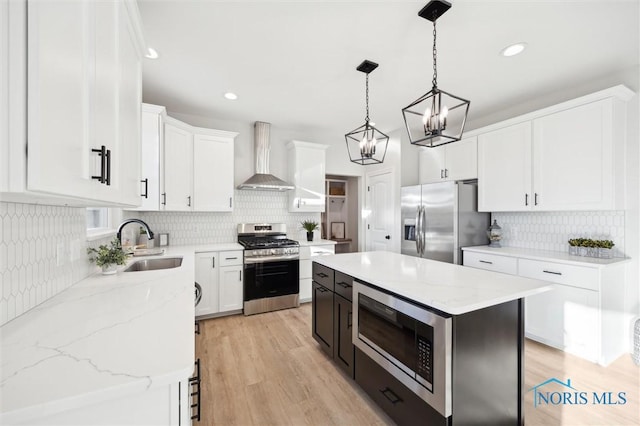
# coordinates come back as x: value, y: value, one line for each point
x: 366, y: 144
x: 437, y: 117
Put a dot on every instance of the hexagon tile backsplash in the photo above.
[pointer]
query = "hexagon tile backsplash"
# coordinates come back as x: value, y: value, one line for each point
x: 42, y: 252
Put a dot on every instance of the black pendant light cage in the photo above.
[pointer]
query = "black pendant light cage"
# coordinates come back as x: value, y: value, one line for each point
x: 366, y: 144
x: 437, y: 117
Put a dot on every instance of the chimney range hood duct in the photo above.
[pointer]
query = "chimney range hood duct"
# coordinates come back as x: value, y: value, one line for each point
x: 263, y: 180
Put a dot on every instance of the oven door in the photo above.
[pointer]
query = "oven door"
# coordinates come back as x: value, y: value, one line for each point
x: 271, y: 279
x: 409, y: 341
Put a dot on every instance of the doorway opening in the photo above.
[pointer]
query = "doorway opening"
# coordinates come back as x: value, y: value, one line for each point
x: 340, y: 219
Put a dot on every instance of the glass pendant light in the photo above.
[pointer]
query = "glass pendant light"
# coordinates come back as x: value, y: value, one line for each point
x: 366, y: 144
x: 437, y: 117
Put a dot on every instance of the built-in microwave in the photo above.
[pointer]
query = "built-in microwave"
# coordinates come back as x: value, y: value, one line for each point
x: 410, y: 341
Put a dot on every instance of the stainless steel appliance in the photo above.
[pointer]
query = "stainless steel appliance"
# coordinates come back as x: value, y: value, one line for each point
x: 411, y: 342
x: 440, y: 218
x: 271, y: 267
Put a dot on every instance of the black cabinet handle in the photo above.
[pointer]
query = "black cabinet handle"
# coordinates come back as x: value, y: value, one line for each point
x: 390, y: 395
x: 535, y: 198
x: 240, y: 276
x: 551, y: 272
x: 343, y: 284
x: 189, y: 201
x: 349, y: 319
x: 322, y: 289
x: 102, y: 153
x: 441, y: 174
x: 164, y: 198
x: 230, y: 202
x: 387, y: 237
x: 230, y: 258
x: 108, y: 178
x: 485, y: 261
x: 526, y: 199
x: 446, y: 173
x: 213, y: 262
x: 322, y: 275
x: 146, y: 188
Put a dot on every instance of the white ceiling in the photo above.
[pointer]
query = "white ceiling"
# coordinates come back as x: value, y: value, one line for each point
x: 294, y: 63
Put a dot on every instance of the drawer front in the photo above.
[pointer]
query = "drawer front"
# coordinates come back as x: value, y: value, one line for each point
x: 400, y: 403
x: 305, y: 269
x: 344, y: 285
x: 491, y: 262
x: 559, y: 273
x: 230, y: 258
x: 323, y: 275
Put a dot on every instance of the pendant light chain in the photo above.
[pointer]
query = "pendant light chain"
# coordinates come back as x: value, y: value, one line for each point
x: 366, y: 119
x: 434, y: 82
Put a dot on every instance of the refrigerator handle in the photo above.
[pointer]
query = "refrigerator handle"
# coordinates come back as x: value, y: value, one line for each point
x: 417, y: 231
x: 422, y: 239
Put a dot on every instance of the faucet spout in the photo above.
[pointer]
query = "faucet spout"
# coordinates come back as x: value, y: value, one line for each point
x: 128, y: 221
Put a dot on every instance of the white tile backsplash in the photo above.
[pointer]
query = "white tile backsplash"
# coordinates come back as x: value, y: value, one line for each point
x: 30, y: 269
x: 551, y: 230
x: 204, y: 228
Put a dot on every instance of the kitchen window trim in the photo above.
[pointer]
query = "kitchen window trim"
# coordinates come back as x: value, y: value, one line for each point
x: 114, y: 218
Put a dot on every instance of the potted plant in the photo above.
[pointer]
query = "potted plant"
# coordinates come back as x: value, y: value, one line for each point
x: 309, y: 226
x: 108, y: 257
x: 605, y: 249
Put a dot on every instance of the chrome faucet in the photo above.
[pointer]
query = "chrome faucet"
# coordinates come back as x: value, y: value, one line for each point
x: 128, y: 221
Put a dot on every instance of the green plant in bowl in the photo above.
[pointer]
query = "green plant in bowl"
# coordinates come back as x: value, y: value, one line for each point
x: 107, y: 257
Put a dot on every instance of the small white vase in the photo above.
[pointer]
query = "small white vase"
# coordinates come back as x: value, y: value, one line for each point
x: 109, y: 269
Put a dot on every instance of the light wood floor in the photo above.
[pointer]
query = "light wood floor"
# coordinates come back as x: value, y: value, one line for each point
x: 267, y: 370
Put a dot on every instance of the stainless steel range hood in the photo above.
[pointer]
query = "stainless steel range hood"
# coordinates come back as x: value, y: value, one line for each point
x: 263, y: 180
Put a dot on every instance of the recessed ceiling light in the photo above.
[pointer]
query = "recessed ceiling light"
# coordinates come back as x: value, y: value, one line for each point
x: 514, y: 49
x: 151, y: 53
x: 231, y: 96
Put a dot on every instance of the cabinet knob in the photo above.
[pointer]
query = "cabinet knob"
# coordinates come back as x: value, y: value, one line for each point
x: 387, y: 237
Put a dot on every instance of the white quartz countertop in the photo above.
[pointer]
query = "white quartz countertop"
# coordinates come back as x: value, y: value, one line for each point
x: 106, y: 336
x: 546, y: 255
x: 305, y: 243
x: 449, y: 288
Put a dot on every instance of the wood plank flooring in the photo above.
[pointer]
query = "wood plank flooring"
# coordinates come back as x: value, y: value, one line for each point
x: 267, y: 370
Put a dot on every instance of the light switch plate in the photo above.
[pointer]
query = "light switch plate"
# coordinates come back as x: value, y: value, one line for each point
x: 164, y: 239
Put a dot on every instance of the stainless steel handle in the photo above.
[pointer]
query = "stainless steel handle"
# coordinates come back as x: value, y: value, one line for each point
x: 198, y: 293
x: 417, y: 229
x: 265, y: 259
x: 552, y: 272
x: 189, y: 201
x: 146, y: 188
x: 485, y: 261
x: 423, y: 229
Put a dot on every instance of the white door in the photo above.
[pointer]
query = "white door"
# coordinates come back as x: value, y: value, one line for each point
x: 231, y: 288
x: 206, y: 274
x: 213, y: 171
x: 504, y: 169
x: 381, y: 205
x: 178, y: 169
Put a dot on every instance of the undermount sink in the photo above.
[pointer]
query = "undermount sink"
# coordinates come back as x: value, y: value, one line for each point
x: 153, y: 264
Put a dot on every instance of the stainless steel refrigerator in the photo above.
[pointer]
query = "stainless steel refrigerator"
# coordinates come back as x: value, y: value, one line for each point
x: 440, y: 218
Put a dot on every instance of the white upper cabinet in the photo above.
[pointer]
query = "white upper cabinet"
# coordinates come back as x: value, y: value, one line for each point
x: 213, y: 171
x: 504, y: 172
x: 307, y: 174
x: 454, y: 161
x: 566, y: 157
x: 83, y: 80
x: 178, y: 167
x: 185, y: 168
x: 573, y: 158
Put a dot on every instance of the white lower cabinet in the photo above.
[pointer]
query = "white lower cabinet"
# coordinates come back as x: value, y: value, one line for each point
x: 307, y: 253
x: 583, y: 314
x: 220, y: 276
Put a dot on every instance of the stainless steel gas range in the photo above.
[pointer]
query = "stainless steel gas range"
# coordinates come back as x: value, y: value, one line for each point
x: 271, y: 267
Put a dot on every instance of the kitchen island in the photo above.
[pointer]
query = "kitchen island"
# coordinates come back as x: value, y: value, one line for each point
x: 425, y: 339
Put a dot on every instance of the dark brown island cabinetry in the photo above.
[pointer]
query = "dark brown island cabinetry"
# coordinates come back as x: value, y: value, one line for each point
x: 332, y: 319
